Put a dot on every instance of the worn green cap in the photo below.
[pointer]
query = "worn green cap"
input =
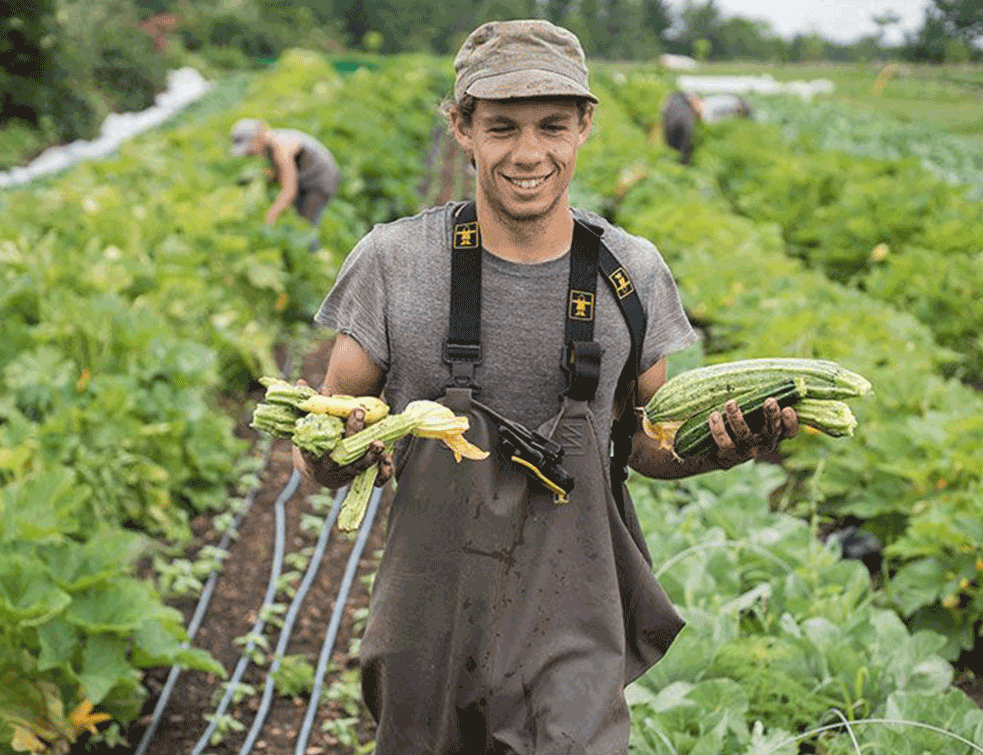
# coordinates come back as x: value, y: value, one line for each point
x: 532, y: 58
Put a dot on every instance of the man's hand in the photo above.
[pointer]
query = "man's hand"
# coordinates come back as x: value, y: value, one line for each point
x: 326, y: 472
x: 741, y: 444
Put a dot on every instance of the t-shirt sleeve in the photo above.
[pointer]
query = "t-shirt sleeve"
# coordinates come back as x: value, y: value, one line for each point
x: 356, y: 304
x: 667, y: 328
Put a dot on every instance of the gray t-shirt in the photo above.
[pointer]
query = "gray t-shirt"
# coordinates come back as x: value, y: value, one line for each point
x: 392, y: 296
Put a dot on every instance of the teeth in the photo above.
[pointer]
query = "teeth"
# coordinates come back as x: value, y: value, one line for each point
x: 531, y: 183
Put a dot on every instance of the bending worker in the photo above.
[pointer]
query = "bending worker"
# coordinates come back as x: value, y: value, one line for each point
x: 515, y: 598
x: 682, y: 111
x: 303, y: 167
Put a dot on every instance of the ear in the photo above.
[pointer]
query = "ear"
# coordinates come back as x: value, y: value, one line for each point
x: 586, y: 124
x: 461, y: 130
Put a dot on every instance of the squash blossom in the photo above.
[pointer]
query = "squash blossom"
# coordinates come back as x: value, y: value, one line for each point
x: 83, y: 718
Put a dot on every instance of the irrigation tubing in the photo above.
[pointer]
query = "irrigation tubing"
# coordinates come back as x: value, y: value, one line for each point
x: 281, y: 648
x: 203, y: 601
x: 208, y: 591
x: 882, y: 721
x: 339, y: 608
x: 271, y: 591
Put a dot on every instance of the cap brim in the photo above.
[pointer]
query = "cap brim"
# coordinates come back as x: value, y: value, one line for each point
x: 240, y: 149
x: 527, y: 83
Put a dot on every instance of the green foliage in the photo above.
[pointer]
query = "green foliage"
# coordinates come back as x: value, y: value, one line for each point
x: 136, y: 293
x: 939, y: 288
x: 780, y: 632
x: 73, y: 622
x: 858, y: 129
x: 20, y: 141
x: 294, y: 676
x: 912, y: 471
x: 94, y: 59
x: 42, y: 85
x: 885, y: 225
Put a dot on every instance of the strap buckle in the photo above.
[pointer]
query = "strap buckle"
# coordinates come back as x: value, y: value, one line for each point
x: 582, y: 365
x: 462, y: 358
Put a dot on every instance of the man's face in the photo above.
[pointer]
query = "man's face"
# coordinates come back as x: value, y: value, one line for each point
x: 525, y: 153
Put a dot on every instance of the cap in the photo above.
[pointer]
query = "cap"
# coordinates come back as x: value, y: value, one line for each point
x: 531, y: 58
x: 243, y: 134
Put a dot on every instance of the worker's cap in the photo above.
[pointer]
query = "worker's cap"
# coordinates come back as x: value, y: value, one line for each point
x: 509, y: 59
x: 243, y: 134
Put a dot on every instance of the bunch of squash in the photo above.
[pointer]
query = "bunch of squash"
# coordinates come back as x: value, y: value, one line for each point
x: 316, y: 424
x: 817, y: 389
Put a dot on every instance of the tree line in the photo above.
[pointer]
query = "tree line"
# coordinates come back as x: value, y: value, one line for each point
x: 952, y: 30
x: 65, y: 63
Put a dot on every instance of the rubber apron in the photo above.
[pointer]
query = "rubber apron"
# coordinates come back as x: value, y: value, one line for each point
x: 500, y: 620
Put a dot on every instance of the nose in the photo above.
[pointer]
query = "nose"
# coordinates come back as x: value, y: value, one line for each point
x: 528, y: 148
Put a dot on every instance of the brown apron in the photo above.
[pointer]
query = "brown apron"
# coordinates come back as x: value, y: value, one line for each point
x: 500, y: 620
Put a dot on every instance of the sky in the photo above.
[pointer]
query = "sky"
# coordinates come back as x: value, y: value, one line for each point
x: 840, y: 20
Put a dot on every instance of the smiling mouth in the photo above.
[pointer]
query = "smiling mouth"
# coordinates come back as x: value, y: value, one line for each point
x: 526, y: 183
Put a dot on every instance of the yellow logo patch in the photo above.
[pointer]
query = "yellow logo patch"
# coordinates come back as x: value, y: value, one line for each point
x: 622, y: 283
x: 466, y: 236
x: 581, y: 305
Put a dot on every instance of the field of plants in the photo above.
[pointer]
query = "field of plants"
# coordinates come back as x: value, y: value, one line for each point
x: 142, y: 297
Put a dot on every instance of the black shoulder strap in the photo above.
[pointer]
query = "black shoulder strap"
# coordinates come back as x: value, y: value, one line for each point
x: 462, y: 350
x: 628, y: 300
x: 582, y: 354
x: 623, y: 429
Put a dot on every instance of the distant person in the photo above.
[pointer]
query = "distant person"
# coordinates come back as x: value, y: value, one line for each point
x: 682, y: 111
x: 680, y: 114
x: 303, y: 167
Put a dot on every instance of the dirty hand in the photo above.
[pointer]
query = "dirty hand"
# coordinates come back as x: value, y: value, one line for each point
x: 741, y: 444
x: 326, y: 472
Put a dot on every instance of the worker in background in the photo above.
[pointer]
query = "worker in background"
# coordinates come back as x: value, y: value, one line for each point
x: 682, y: 111
x: 303, y: 167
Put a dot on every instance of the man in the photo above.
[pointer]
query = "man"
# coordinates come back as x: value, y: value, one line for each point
x: 515, y: 598
x: 303, y: 167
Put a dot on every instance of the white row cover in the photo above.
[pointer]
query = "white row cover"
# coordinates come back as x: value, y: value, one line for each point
x: 754, y: 85
x: 184, y: 86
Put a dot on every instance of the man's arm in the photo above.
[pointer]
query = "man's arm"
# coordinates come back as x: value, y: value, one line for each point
x: 351, y: 372
x: 652, y: 460
x: 287, y: 173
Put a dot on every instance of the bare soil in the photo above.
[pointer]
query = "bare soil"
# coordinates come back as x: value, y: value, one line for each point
x: 232, y: 611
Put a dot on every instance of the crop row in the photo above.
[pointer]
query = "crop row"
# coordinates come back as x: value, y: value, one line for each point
x: 887, y: 227
x: 867, y: 133
x: 783, y: 637
x: 913, y: 471
x: 136, y: 293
